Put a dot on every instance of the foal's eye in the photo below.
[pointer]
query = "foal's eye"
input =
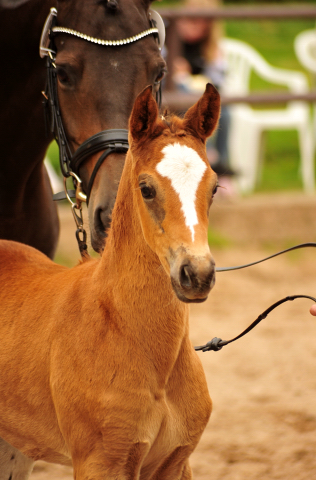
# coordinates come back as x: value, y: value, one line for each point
x: 147, y: 192
x: 215, y: 190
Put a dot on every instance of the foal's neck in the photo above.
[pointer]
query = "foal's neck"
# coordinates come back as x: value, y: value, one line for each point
x: 126, y: 249
x: 138, y: 290
x: 130, y: 262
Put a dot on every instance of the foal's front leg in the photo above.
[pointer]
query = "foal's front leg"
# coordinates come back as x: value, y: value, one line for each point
x: 13, y: 464
x: 120, y: 465
x: 176, y: 466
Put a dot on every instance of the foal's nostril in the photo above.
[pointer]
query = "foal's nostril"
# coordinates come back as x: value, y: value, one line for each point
x: 193, y: 279
x: 185, y: 279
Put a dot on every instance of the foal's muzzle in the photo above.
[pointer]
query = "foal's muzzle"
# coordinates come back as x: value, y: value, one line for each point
x: 193, y: 277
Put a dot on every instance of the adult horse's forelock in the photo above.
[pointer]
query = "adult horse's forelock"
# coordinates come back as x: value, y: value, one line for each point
x: 97, y: 85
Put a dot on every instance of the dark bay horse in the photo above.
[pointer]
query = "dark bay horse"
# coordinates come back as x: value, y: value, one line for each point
x: 97, y: 367
x: 96, y: 88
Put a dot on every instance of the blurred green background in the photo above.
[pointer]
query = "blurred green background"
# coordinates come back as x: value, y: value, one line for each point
x: 274, y: 40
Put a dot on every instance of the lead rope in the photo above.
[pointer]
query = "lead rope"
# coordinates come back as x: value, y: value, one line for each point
x: 216, y: 343
x: 239, y: 267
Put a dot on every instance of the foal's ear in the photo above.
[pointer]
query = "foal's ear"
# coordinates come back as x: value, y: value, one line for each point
x: 144, y: 115
x: 201, y: 119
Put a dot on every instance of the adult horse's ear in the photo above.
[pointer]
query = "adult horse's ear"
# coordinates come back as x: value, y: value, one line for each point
x: 12, y: 3
x: 202, y: 118
x: 144, y: 115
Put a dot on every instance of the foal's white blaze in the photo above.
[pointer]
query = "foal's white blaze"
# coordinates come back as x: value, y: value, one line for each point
x: 185, y: 168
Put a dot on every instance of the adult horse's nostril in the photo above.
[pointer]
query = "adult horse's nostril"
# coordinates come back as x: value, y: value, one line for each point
x: 185, y: 278
x: 99, y: 227
x: 102, y: 220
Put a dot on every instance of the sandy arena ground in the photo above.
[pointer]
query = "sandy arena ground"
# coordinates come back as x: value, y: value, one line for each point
x: 263, y: 387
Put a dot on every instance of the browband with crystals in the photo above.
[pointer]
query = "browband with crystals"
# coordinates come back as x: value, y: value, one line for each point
x: 105, y: 42
x: 158, y: 28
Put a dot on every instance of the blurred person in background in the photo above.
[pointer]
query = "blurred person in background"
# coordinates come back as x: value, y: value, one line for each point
x: 201, y: 61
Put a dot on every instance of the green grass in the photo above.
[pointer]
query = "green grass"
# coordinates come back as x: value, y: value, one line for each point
x: 53, y: 155
x: 281, y: 162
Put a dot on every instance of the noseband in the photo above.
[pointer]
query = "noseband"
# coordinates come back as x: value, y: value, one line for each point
x: 108, y: 141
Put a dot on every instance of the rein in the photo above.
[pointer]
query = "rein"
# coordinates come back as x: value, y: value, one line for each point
x: 216, y: 343
x: 111, y: 141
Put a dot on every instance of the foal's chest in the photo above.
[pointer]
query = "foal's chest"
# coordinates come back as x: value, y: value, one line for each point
x: 184, y: 410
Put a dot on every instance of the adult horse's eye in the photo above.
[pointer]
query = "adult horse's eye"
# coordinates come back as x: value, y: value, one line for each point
x: 160, y: 76
x: 62, y: 76
x: 147, y: 192
x: 112, y: 4
x: 215, y: 190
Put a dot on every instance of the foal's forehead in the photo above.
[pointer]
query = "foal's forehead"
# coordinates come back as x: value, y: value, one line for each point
x: 181, y: 162
x: 184, y: 167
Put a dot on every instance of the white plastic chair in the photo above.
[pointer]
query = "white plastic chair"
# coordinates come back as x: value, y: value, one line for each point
x: 247, y: 124
x: 305, y: 49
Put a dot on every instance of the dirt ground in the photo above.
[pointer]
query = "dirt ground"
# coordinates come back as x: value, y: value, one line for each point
x: 263, y: 387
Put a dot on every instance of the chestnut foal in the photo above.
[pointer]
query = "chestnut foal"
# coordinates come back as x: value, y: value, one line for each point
x: 97, y: 368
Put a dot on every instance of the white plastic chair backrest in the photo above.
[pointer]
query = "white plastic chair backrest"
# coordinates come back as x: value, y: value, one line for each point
x: 239, y: 66
x: 305, y: 49
x: 242, y: 58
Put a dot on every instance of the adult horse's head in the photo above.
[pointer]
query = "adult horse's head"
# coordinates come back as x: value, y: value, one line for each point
x: 174, y: 187
x: 97, y: 83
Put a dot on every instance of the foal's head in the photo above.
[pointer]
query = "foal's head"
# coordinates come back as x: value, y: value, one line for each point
x: 174, y: 188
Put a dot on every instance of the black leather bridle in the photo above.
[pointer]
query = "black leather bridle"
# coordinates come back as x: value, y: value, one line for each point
x: 107, y: 141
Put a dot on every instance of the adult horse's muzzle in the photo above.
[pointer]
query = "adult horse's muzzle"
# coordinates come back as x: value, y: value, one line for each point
x: 192, y: 277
